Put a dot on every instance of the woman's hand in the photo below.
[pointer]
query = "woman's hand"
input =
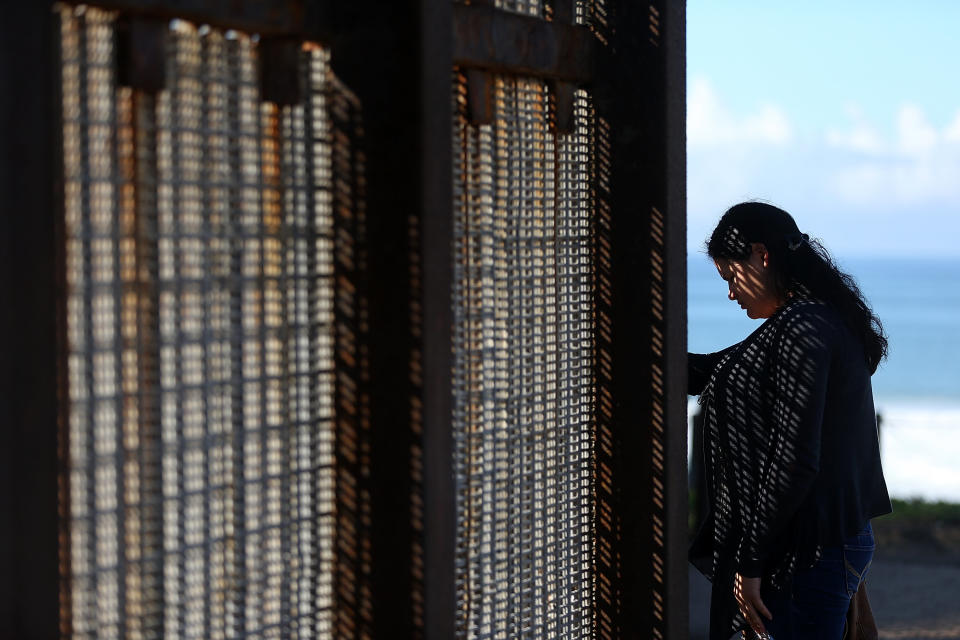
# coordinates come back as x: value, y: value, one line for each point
x: 747, y: 591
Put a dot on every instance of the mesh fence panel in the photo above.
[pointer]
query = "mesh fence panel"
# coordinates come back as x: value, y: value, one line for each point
x: 523, y: 378
x: 201, y: 257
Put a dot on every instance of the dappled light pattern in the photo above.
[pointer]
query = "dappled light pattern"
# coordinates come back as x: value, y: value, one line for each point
x: 764, y: 401
x: 523, y: 368
x: 209, y: 245
x: 608, y: 600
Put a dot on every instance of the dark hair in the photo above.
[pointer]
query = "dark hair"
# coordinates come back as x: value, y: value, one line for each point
x: 801, y: 267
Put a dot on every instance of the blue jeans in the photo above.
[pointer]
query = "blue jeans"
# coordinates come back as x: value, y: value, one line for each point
x: 815, y: 607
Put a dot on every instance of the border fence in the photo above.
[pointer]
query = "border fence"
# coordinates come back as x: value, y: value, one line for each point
x: 344, y: 320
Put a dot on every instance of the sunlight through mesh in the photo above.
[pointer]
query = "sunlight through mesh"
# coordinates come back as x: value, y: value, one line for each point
x: 200, y: 255
x: 523, y: 379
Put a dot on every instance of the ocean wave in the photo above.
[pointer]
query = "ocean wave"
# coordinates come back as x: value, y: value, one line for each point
x: 919, y: 447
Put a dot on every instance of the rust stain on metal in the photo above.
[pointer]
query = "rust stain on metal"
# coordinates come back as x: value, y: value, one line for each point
x: 506, y: 42
x: 479, y: 96
x: 141, y: 53
x: 278, y: 70
x: 563, y: 98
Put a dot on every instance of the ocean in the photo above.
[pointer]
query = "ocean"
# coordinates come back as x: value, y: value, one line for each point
x: 916, y: 390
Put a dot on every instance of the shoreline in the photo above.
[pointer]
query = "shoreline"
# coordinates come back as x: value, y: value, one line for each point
x: 919, y: 446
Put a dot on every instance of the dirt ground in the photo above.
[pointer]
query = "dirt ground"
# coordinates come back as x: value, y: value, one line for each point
x: 924, y: 542
x: 914, y: 585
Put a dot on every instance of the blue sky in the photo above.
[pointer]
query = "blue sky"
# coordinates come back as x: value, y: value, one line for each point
x: 847, y: 114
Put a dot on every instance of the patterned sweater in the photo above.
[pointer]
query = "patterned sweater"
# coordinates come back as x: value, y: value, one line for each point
x: 791, y: 452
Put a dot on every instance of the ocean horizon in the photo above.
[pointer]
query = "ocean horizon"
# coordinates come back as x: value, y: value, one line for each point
x: 916, y: 391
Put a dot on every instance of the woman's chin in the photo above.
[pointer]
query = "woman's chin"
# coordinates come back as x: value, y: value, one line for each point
x: 763, y: 314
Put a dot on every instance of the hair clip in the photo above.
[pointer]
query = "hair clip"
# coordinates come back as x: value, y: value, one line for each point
x: 794, y: 240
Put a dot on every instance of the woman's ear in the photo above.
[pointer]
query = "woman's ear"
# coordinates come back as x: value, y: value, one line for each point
x: 760, y: 251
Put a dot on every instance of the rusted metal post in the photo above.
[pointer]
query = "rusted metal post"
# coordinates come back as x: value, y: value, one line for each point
x: 435, y: 186
x: 640, y: 93
x: 397, y: 59
x: 32, y: 290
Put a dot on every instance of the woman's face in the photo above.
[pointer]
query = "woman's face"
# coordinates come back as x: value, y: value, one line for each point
x: 751, y: 282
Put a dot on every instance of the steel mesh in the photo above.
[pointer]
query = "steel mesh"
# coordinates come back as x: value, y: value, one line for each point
x: 523, y: 375
x: 200, y: 261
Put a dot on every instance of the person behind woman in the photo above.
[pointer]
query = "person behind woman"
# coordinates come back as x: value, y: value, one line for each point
x: 791, y: 449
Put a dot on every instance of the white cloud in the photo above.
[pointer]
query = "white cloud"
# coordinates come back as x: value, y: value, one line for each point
x: 861, y: 136
x: 710, y: 123
x: 952, y: 132
x: 898, y: 183
x: 868, y: 187
x: 919, y: 166
x: 917, y: 136
x: 770, y: 125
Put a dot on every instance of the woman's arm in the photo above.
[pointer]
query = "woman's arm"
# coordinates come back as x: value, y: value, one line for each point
x: 699, y: 368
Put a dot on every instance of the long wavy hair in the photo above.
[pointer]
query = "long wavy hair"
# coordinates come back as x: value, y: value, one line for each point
x: 801, y: 267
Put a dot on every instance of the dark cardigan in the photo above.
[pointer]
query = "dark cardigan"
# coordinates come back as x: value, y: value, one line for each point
x: 792, y: 457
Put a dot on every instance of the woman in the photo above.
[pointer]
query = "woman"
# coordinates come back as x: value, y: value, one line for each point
x: 790, y: 436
